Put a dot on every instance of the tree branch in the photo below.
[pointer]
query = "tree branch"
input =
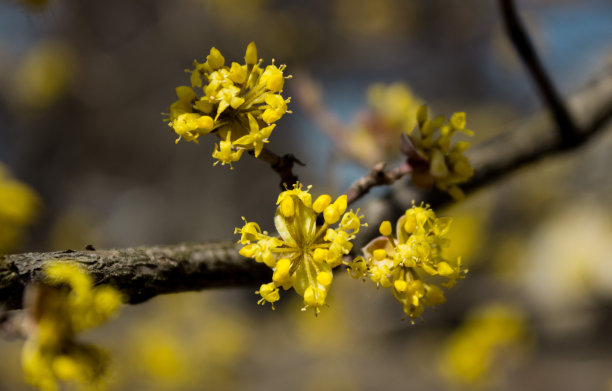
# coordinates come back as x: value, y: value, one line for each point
x: 522, y: 44
x: 537, y: 139
x: 142, y: 273
x: 377, y: 177
x: 282, y: 165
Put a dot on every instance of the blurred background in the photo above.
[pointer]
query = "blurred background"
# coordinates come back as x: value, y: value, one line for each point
x: 87, y: 159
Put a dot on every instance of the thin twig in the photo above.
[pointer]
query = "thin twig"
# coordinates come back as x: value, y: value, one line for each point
x: 567, y: 128
x: 377, y: 177
x: 282, y: 165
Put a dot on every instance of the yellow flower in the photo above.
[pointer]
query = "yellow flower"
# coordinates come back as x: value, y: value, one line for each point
x: 224, y: 152
x: 409, y: 263
x: 470, y: 353
x: 236, y: 103
x: 306, y: 252
x: 435, y: 160
x: 18, y: 208
x: 51, y: 352
x: 256, y: 138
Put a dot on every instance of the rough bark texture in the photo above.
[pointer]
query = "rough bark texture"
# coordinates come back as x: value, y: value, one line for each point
x: 144, y: 272
x: 140, y: 273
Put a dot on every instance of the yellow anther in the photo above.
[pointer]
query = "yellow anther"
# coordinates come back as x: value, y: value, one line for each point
x: 331, y: 214
x: 379, y: 254
x: 324, y: 278
x: 283, y: 265
x: 281, y: 273
x: 287, y: 207
x: 320, y: 255
x: 321, y: 203
x: 341, y: 203
x: 400, y: 285
x: 410, y: 224
x: 205, y: 123
x: 385, y: 228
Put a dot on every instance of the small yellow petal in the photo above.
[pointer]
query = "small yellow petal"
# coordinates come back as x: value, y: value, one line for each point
x: 215, y: 59
x: 186, y: 94
x: 444, y: 269
x: 251, y: 54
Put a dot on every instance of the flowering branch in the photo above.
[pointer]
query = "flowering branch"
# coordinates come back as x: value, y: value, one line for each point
x: 282, y: 165
x: 139, y: 273
x: 504, y: 154
x: 142, y: 273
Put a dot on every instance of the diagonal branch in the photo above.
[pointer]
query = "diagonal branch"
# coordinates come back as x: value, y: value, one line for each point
x: 377, y: 177
x: 282, y: 165
x: 518, y: 35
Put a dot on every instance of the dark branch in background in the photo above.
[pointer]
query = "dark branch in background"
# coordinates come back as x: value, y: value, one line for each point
x: 140, y: 273
x: 504, y: 154
x: 282, y: 165
x: 567, y: 128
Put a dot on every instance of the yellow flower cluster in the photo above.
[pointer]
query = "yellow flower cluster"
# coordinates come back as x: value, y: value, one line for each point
x: 393, y: 112
x: 470, y: 353
x: 239, y: 104
x: 18, y: 207
x: 396, y: 105
x: 401, y: 263
x: 434, y: 158
x: 67, y: 304
x: 306, y: 252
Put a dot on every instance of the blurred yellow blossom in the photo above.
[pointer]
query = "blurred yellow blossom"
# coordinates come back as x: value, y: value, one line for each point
x: 306, y: 252
x: 65, y: 305
x: 470, y: 354
x: 401, y: 263
x: 377, y: 132
x: 237, y: 103
x: 18, y: 207
x: 433, y: 156
x: 201, y: 343
x: 45, y: 74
